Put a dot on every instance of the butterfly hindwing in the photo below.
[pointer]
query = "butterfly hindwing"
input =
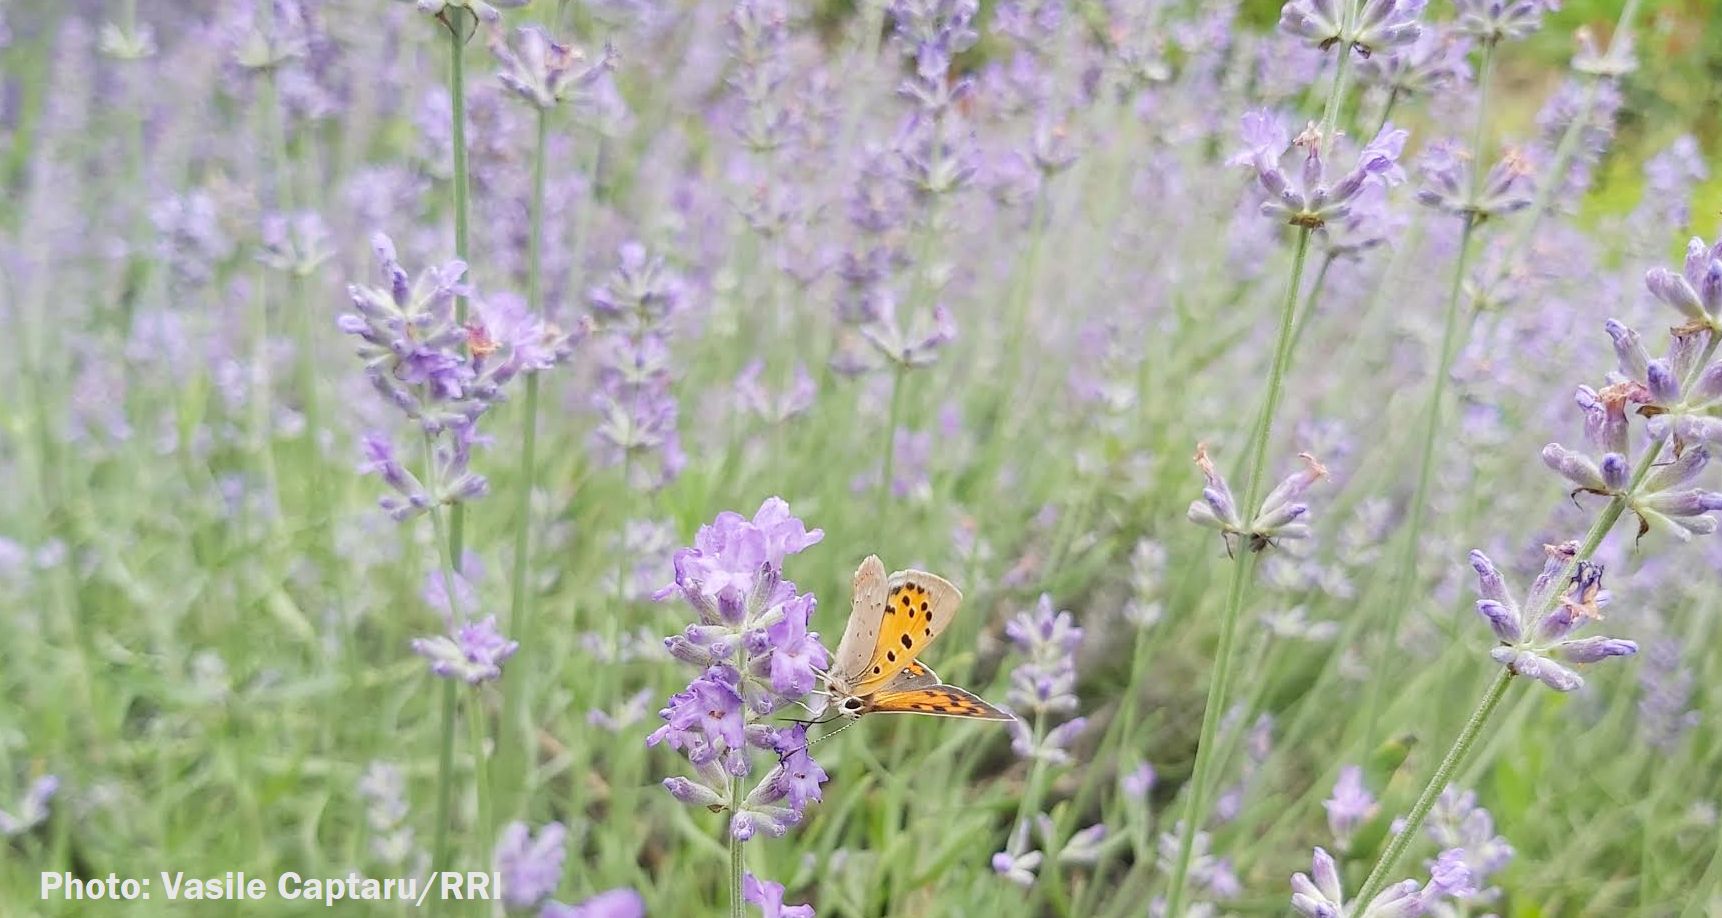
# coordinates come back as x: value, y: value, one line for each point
x: 916, y: 675
x: 861, y: 634
x: 937, y: 701
x: 918, y: 608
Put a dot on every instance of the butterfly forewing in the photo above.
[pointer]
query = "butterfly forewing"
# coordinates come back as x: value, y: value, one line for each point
x: 918, y: 607
x: 861, y: 634
x: 937, y: 701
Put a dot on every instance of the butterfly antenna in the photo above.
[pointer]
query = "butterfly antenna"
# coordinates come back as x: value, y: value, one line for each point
x: 824, y: 737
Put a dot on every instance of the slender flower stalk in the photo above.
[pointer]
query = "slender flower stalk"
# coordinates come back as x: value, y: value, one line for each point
x: 1219, y: 683
x: 453, y: 17
x: 1307, y: 220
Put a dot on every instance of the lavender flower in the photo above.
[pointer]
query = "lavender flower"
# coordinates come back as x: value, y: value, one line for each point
x: 295, y: 244
x: 1312, y: 201
x: 1137, y: 782
x: 33, y: 807
x: 756, y: 654
x: 1502, y: 20
x: 775, y: 408
x: 542, y: 72
x: 384, y: 790
x: 489, y: 12
x: 1280, y: 517
x: 1697, y: 291
x: 472, y: 652
x: 615, y: 903
x: 908, y: 346
x: 1665, y: 696
x: 1431, y: 64
x: 1350, y: 806
x: 1016, y: 863
x: 1466, y: 834
x: 1044, y: 683
x: 1211, y: 873
x: 1318, y: 894
x: 1534, y: 635
x: 1665, y: 500
x: 1447, y: 186
x: 768, y: 896
x: 1377, y: 25
x: 416, y: 354
x: 634, y: 400
x: 531, y: 867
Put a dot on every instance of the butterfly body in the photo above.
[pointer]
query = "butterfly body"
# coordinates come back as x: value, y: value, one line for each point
x: 891, y: 621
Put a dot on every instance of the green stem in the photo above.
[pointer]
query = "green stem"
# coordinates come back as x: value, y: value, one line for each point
x: 1386, y: 110
x: 444, y: 781
x: 735, y: 858
x: 1315, y: 289
x: 457, y: 95
x: 516, y: 698
x: 1336, y: 93
x: 1219, y: 681
x: 440, y: 858
x: 1455, y: 756
x: 887, y: 467
x: 480, y: 779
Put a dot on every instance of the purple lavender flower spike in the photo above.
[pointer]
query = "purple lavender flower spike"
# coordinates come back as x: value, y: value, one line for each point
x: 1350, y: 806
x: 1529, y: 648
x: 757, y: 656
x: 1319, y: 894
x: 543, y: 72
x: 1378, y: 25
x: 1696, y: 292
x: 768, y: 897
x: 1017, y: 864
x: 1432, y: 63
x: 531, y: 867
x: 1502, y: 20
x: 1281, y: 514
x: 33, y: 809
x: 1310, y: 200
x: 490, y: 11
x: 473, y: 653
x: 1446, y: 170
x: 1457, y: 824
x: 1664, y: 705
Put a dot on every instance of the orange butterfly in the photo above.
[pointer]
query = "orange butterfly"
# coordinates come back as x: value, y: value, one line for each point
x: 891, y: 621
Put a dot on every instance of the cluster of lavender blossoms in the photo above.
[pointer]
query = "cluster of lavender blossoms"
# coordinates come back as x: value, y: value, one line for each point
x: 634, y: 312
x: 1319, y: 893
x: 530, y: 867
x: 1043, y: 690
x: 930, y: 160
x: 443, y: 375
x: 1311, y: 201
x: 1281, y: 515
x: 1378, y: 25
x: 756, y: 657
x: 1536, y: 637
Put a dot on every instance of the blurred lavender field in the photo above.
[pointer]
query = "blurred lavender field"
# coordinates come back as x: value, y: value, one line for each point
x: 442, y: 434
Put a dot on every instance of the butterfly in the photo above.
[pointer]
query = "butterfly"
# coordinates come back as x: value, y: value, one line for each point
x: 892, y: 620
